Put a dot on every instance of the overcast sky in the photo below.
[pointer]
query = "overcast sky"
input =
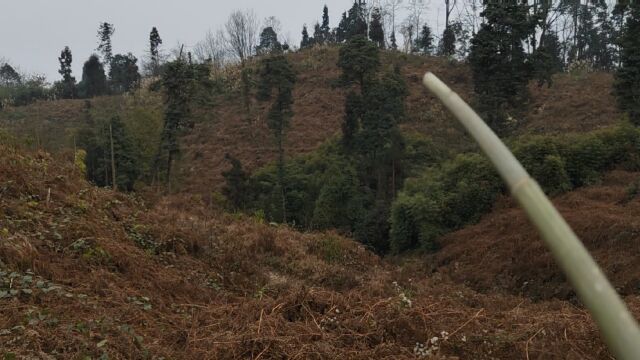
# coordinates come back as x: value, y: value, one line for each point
x: 33, y: 32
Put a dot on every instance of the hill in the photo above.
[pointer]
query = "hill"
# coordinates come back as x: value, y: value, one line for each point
x: 575, y: 103
x: 85, y: 272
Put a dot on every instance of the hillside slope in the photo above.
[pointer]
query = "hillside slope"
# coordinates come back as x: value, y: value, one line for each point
x: 88, y: 272
x: 503, y: 253
x: 573, y: 104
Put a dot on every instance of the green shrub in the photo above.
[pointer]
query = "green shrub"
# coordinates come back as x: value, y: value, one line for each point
x: 541, y: 157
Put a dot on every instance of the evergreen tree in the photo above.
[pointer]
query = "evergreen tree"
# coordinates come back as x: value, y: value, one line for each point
x: 268, y: 42
x: 547, y: 59
x: 154, y: 51
x: 68, y: 85
x: 425, y: 40
x: 97, y: 142
x: 235, y: 188
x: 627, y: 85
x: 94, y: 80
x: 325, y: 28
x: 318, y: 35
x: 105, y: 31
x: 123, y: 73
x: 394, y: 43
x: 499, y: 64
x: 357, y: 20
x: 351, y: 123
x: 177, y: 82
x: 306, y: 42
x: 376, y: 32
x: 359, y: 61
x: 277, y: 74
x: 448, y: 42
x: 9, y: 76
x: 341, y: 30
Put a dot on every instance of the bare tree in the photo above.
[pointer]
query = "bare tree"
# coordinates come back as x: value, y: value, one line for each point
x: 273, y: 23
x: 416, y: 10
x: 242, y: 33
x: 212, y: 49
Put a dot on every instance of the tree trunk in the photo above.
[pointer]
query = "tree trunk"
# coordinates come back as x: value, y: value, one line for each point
x: 113, y: 160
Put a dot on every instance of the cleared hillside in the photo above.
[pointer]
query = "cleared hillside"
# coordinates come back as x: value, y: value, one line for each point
x: 503, y: 253
x: 573, y: 104
x: 88, y: 272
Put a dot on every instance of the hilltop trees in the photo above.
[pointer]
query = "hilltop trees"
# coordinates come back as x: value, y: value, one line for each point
x: 359, y: 61
x: 268, y: 42
x: 325, y: 28
x: 627, y: 85
x: 500, y: 66
x: 67, y: 87
x: 306, y: 41
x: 123, y: 73
x: 425, y: 41
x: 94, y: 80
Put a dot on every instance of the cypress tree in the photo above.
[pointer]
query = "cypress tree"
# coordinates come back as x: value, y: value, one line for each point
x: 448, y: 42
x: 105, y: 31
x: 325, y: 28
x: 394, y: 43
x: 268, y: 42
x: 154, y: 51
x: 627, y: 85
x: 123, y: 73
x: 94, y: 80
x: 318, y: 35
x: 341, y: 30
x: 376, y: 32
x: 68, y: 90
x: 306, y: 42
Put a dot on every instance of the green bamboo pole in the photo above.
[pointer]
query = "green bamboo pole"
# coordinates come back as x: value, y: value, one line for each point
x: 618, y: 327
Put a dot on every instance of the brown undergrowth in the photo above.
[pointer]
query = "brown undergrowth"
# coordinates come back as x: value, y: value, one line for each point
x: 89, y: 273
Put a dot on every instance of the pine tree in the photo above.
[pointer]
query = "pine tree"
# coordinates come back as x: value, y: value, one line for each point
x: 105, y: 31
x: 376, y: 32
x: 94, y: 80
x: 499, y: 64
x: 154, y: 51
x: 306, y: 42
x: 627, y: 85
x: 277, y: 74
x: 425, y: 40
x: 325, y: 28
x: 547, y: 58
x: 68, y: 88
x: 123, y: 73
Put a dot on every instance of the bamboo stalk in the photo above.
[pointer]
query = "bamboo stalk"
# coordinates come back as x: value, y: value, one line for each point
x: 617, y: 326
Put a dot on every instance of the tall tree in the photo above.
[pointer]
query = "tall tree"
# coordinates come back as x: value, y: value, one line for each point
x: 318, y: 35
x: 326, y: 28
x: 306, y: 41
x: 123, y: 73
x: 105, y: 32
x: 154, y: 51
x: 68, y: 84
x: 393, y: 41
x: 342, y: 29
x: 447, y: 45
x: 376, y: 30
x: 359, y: 60
x: 357, y: 20
x: 499, y: 64
x: 276, y: 74
x: 627, y: 85
x: 268, y: 42
x: 94, y: 80
x: 425, y: 40
x: 241, y: 33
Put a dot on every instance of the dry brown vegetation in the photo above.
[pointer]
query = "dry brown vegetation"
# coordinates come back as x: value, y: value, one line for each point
x: 87, y: 272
